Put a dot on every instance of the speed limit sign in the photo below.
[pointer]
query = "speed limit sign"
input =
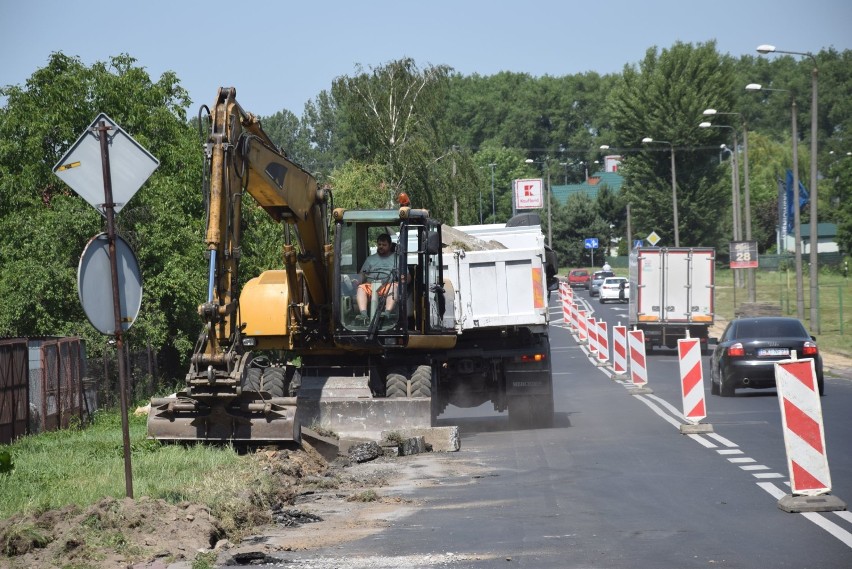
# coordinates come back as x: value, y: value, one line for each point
x: 743, y: 254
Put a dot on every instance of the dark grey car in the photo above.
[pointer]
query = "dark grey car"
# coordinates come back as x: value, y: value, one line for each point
x: 598, y: 279
x: 748, y: 349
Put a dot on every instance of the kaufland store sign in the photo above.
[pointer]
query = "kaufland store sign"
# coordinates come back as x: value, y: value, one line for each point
x: 529, y: 194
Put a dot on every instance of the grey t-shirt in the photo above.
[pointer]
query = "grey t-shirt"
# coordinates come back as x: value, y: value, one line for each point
x: 378, y: 268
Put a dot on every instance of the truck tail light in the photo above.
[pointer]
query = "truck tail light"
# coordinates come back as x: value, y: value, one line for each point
x: 735, y: 350
x: 810, y: 349
x: 530, y: 358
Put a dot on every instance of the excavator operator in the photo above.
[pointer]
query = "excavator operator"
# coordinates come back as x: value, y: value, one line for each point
x: 378, y: 268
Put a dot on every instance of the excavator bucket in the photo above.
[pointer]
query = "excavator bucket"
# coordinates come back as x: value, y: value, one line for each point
x: 252, y: 417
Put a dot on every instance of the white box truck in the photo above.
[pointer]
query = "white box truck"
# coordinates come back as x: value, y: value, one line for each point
x: 672, y: 293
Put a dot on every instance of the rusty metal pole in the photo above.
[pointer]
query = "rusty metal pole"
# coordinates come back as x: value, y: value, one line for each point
x: 109, y: 209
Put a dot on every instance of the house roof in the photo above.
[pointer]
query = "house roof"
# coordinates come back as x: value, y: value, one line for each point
x: 590, y: 187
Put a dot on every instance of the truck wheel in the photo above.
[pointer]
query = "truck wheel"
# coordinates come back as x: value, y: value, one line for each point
x: 421, y: 382
x: 272, y: 381
x: 396, y: 385
x: 251, y: 381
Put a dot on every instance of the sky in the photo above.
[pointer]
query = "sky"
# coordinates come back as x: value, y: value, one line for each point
x: 281, y: 54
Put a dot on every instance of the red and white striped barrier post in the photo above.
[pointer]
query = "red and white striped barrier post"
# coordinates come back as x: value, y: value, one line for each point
x: 603, y: 343
x: 692, y: 386
x: 804, y: 439
x: 638, y: 363
x: 566, y: 302
x: 592, y: 331
x: 619, y: 351
x: 581, y: 326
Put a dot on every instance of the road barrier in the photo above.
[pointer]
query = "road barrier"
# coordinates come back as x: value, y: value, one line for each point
x: 592, y: 331
x: 619, y: 350
x: 582, y: 324
x: 603, y: 343
x: 566, y: 298
x: 692, y: 385
x: 638, y: 363
x: 804, y: 438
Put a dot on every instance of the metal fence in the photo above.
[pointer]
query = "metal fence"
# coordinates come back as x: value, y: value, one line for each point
x: 14, y: 390
x: 42, y: 385
x: 50, y: 383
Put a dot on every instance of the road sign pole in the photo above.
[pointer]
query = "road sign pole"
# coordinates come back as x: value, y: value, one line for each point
x: 109, y: 209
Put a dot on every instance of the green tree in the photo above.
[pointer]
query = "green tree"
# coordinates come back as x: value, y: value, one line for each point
x: 573, y: 223
x: 387, y: 109
x: 44, y: 225
x: 664, y: 98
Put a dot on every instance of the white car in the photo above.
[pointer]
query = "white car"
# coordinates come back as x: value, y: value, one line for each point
x: 614, y: 288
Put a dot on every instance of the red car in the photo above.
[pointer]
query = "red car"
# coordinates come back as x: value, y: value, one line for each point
x: 579, y: 278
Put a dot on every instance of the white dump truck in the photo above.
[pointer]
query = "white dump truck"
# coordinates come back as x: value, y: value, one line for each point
x: 672, y: 292
x: 500, y: 287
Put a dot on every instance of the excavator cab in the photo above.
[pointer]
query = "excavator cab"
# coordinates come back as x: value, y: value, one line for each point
x: 405, y: 296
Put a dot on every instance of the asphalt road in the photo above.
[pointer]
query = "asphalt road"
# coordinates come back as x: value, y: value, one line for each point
x: 614, y: 484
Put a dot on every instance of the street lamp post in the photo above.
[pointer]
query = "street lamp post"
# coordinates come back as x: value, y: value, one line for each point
x: 752, y: 287
x: 797, y: 226
x: 735, y: 191
x: 493, y: 208
x: 648, y: 140
x: 814, y: 235
x: 547, y: 197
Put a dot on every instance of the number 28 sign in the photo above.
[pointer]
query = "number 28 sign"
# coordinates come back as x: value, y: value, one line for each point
x: 743, y: 254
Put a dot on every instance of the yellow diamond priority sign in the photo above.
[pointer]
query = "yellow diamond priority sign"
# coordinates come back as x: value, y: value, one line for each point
x: 653, y: 238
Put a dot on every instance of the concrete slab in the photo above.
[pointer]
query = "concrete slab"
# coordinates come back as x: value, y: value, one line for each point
x: 335, y: 386
x: 823, y: 503
x: 695, y: 428
x: 364, y: 418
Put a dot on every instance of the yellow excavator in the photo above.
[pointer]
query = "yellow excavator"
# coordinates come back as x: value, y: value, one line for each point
x: 273, y: 355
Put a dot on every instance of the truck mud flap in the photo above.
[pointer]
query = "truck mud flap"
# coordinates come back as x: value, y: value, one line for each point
x: 249, y: 418
x: 528, y: 382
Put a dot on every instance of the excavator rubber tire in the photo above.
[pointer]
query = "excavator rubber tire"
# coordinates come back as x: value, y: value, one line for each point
x: 421, y: 382
x: 253, y: 379
x: 273, y: 381
x: 396, y: 385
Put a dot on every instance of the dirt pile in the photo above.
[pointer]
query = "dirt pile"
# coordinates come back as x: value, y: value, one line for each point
x: 123, y: 532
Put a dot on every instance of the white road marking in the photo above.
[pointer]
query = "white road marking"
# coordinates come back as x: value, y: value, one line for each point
x: 723, y: 440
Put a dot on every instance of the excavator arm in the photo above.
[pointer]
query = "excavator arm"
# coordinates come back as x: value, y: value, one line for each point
x: 227, y: 396
x: 242, y: 158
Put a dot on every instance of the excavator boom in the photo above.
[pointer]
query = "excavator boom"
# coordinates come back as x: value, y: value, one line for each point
x: 227, y: 396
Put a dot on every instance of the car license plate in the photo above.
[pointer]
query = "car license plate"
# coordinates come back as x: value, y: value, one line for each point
x: 773, y: 352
